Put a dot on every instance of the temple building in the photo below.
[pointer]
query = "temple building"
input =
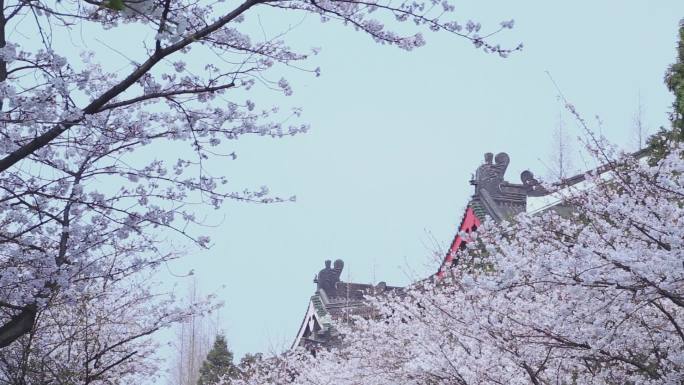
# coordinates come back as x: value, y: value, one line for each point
x: 496, y: 198
x: 493, y: 197
x: 499, y: 199
x: 334, y: 301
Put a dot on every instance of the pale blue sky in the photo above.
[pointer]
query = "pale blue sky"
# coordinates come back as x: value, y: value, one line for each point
x: 395, y: 137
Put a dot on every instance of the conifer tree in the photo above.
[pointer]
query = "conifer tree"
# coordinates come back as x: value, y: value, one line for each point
x: 674, y: 79
x: 218, y: 364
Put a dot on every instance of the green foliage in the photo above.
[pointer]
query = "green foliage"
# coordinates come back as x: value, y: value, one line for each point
x: 117, y: 5
x: 659, y: 143
x: 674, y: 78
x: 218, y: 364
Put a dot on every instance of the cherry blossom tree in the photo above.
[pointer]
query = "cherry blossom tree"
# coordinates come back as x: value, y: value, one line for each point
x: 594, y: 297
x: 102, y: 335
x: 82, y: 206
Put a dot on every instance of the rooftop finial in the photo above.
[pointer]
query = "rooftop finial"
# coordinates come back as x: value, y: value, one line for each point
x: 490, y: 175
x: 328, y: 277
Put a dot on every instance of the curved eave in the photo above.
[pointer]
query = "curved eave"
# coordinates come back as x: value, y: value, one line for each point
x: 469, y: 221
x: 313, y: 314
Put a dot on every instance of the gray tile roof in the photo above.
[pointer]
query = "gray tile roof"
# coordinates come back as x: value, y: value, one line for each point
x: 335, y: 301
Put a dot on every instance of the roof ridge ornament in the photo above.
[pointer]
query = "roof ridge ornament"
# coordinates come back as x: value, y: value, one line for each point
x: 533, y: 187
x: 496, y: 197
x: 489, y: 176
x: 328, y: 277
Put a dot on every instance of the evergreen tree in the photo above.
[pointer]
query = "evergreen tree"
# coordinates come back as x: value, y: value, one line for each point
x: 218, y: 365
x: 674, y: 79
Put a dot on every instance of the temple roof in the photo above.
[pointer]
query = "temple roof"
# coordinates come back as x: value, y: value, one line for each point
x: 499, y: 199
x: 334, y: 301
x: 493, y: 197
